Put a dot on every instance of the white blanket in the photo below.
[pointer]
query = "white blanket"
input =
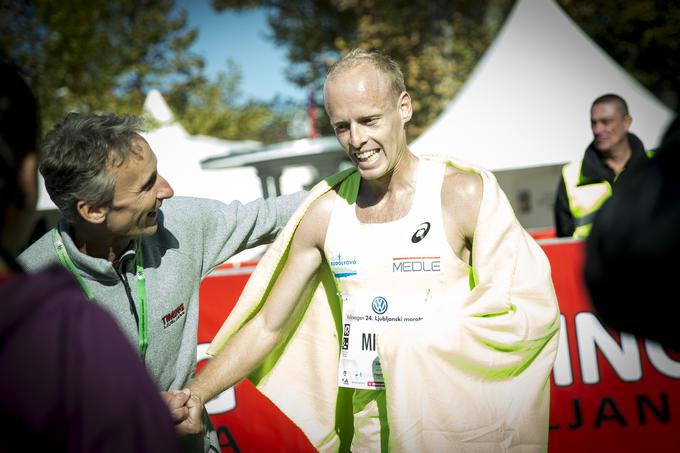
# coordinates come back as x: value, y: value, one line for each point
x: 473, y: 378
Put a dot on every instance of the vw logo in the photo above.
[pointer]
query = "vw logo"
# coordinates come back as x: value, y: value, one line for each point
x: 379, y: 305
x: 421, y: 232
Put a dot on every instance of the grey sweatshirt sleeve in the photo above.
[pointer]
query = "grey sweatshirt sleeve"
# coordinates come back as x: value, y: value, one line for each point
x: 221, y: 230
x: 270, y: 216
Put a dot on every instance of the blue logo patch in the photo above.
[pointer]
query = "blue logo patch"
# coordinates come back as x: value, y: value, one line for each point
x: 343, y: 266
x: 379, y: 305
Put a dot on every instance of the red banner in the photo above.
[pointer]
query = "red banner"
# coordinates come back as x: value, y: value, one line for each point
x: 610, y: 391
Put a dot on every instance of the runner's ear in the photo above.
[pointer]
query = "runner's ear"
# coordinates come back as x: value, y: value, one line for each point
x: 405, y: 107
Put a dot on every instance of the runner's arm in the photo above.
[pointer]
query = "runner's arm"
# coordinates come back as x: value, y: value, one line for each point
x: 258, y: 337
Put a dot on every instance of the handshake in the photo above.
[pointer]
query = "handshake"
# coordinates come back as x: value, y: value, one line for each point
x: 186, y: 411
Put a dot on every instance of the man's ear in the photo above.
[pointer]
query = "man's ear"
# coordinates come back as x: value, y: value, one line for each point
x: 91, y: 212
x: 405, y: 107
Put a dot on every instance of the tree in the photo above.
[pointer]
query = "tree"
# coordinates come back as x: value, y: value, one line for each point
x: 641, y: 36
x: 436, y: 42
x: 89, y: 55
x: 215, y: 108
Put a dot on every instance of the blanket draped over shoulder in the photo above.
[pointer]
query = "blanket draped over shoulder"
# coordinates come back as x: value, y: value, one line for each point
x: 476, y: 377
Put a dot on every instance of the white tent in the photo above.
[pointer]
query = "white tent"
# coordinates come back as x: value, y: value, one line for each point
x: 180, y: 154
x: 527, y: 102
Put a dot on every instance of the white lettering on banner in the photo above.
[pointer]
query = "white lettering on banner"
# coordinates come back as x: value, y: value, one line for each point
x: 562, y: 371
x: 225, y: 401
x: 660, y: 360
x: 624, y: 358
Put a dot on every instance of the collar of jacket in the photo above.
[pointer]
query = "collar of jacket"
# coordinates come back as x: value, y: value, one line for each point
x: 97, y: 268
x: 593, y: 169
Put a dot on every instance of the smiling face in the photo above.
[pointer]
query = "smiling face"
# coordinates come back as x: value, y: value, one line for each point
x: 609, y: 125
x: 139, y: 192
x: 368, y: 119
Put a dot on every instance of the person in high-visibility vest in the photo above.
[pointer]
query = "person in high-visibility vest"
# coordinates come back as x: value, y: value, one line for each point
x: 613, y: 154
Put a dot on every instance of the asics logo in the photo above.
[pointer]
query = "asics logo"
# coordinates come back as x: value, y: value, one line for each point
x: 421, y: 232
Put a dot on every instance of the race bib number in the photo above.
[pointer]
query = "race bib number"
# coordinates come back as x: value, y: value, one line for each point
x: 364, y: 318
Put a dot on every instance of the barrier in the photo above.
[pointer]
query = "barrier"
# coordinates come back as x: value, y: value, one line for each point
x: 610, y: 391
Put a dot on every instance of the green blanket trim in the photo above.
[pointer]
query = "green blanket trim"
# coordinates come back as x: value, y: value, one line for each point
x: 472, y: 278
x: 272, y: 358
x: 344, y: 413
x: 526, y: 350
x: 344, y: 425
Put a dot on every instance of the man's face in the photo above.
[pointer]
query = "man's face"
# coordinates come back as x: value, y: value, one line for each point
x: 609, y: 126
x: 138, y: 193
x: 368, y: 119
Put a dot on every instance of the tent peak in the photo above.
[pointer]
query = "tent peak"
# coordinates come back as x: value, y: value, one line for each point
x: 155, y: 105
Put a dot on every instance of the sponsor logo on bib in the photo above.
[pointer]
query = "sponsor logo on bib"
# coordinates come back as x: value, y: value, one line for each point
x: 343, y: 266
x: 417, y: 264
x: 379, y: 305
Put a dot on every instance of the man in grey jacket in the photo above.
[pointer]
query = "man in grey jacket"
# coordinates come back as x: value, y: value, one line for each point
x: 138, y: 252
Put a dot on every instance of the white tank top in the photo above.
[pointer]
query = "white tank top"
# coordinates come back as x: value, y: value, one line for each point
x: 390, y: 275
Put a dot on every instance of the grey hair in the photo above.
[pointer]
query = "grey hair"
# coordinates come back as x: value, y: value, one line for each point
x: 378, y: 60
x: 78, y: 153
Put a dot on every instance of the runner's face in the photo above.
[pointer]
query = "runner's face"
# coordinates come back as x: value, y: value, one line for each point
x: 368, y: 119
x: 138, y: 194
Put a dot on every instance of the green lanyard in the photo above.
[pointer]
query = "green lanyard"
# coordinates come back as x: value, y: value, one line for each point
x: 141, y: 285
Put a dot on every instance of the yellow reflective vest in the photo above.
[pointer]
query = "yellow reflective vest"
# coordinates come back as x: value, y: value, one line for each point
x: 585, y: 196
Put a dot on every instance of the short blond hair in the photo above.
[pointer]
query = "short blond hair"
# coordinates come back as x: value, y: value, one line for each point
x: 378, y: 60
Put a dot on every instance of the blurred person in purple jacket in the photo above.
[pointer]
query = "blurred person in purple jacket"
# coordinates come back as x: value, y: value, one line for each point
x: 70, y: 380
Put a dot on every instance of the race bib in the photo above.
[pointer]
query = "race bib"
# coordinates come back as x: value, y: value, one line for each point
x: 365, y: 316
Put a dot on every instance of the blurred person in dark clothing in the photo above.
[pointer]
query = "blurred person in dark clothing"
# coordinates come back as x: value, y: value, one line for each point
x: 633, y: 249
x: 70, y: 380
x: 613, y: 155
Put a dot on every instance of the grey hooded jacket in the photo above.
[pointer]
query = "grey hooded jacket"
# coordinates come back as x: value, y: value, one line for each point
x: 193, y: 237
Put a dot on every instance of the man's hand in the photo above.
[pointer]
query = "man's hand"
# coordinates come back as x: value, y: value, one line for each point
x: 193, y: 423
x: 176, y: 402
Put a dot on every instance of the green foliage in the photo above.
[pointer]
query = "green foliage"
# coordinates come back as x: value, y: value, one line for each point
x: 95, y: 56
x: 436, y: 42
x: 89, y: 55
x: 642, y: 36
x: 215, y: 108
